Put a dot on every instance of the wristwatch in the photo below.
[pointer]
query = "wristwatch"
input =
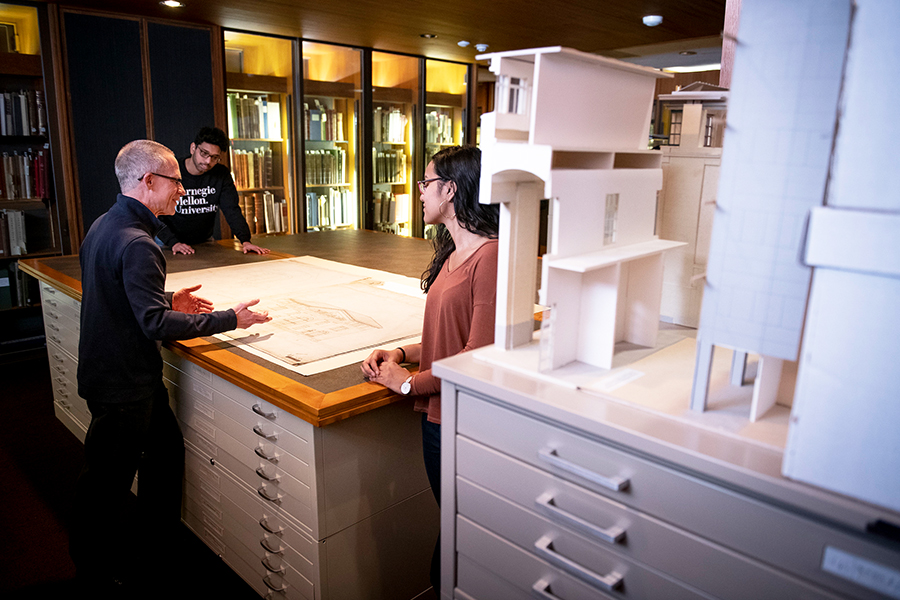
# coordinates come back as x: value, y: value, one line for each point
x: 406, y: 386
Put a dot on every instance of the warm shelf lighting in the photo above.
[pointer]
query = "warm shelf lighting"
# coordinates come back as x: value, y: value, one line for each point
x: 462, y: 43
x: 694, y: 69
x: 652, y: 20
x: 172, y: 3
x: 427, y: 36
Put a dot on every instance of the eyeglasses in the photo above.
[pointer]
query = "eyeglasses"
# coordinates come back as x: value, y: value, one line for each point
x: 205, y: 154
x: 175, y: 179
x: 423, y: 185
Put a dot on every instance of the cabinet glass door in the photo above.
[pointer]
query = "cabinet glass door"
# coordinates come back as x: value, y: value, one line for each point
x: 396, y: 86
x: 445, y: 109
x: 259, y: 80
x: 332, y: 95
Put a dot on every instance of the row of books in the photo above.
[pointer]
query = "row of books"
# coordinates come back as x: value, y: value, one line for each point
x: 22, y: 113
x: 390, y: 125
x: 264, y: 213
x: 24, y: 176
x: 438, y: 128
x: 390, y: 166
x: 323, y: 123
x: 336, y: 208
x: 253, y: 117
x: 253, y: 168
x: 12, y: 233
x: 326, y: 167
x: 390, y: 208
x: 17, y: 288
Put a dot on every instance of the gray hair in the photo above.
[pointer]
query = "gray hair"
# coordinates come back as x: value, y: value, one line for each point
x: 139, y: 157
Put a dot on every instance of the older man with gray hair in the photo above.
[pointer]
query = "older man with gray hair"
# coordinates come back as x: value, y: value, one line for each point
x: 125, y: 314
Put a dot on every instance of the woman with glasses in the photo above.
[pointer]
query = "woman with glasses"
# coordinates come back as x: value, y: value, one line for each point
x: 461, y: 284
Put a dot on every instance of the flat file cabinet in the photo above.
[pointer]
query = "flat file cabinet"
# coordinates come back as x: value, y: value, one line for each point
x: 550, y: 493
x: 298, y: 511
x: 62, y: 326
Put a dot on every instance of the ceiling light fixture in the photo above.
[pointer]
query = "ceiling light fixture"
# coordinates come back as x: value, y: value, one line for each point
x: 462, y: 43
x: 687, y: 53
x: 428, y: 36
x: 652, y: 20
x: 172, y: 3
x: 481, y: 47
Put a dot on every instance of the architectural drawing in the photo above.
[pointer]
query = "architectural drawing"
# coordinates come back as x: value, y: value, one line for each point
x: 319, y: 308
x: 587, y: 152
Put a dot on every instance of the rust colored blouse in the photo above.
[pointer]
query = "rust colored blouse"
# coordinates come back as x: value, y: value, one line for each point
x: 459, y: 316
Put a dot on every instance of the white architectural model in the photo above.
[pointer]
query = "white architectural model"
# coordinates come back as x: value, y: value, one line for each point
x: 695, y: 120
x: 572, y: 127
x: 781, y: 126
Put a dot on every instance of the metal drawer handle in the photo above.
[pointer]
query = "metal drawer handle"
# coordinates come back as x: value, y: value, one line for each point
x: 265, y: 544
x: 612, y: 535
x: 262, y: 454
x: 264, y: 523
x: 50, y: 313
x: 258, y: 431
x: 56, y: 339
x: 265, y: 494
x: 605, y: 582
x: 262, y: 473
x: 258, y: 410
x: 60, y: 379
x: 541, y: 590
x: 58, y: 356
x: 52, y: 303
x: 272, y: 586
x: 61, y: 369
x: 615, y: 483
x: 62, y: 393
x: 53, y: 327
x: 269, y: 567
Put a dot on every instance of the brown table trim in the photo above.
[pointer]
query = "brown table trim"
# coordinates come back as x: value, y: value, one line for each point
x: 301, y: 401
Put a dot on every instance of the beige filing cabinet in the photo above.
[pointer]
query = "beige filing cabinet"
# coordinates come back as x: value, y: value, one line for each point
x: 298, y: 511
x: 548, y: 492
x: 62, y: 326
x: 342, y: 511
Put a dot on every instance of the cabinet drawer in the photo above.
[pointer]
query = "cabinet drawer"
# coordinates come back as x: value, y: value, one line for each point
x: 529, y: 504
x: 269, y: 491
x: 203, y: 471
x: 775, y: 536
x: 60, y: 334
x: 533, y: 575
x: 62, y: 363
x: 60, y: 302
x: 269, y: 549
x: 282, y: 429
x: 245, y: 427
x: 64, y: 392
x: 474, y: 582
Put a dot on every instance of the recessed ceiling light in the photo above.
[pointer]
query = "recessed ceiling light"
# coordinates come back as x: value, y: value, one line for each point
x: 652, y: 20
x: 427, y: 35
x: 172, y: 3
x: 462, y: 43
x: 481, y: 47
x: 687, y: 53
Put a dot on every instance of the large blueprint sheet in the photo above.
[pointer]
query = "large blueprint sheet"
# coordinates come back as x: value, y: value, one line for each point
x: 323, y: 312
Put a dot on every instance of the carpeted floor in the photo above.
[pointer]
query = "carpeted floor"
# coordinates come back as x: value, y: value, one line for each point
x: 39, y: 463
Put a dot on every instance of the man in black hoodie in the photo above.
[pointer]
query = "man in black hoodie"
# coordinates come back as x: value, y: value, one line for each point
x: 125, y: 314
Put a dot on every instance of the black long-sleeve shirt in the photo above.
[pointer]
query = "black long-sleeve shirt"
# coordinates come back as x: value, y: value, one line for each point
x: 125, y: 310
x: 195, y: 215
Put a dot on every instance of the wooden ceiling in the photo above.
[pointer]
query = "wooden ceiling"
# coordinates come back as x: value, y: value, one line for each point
x: 601, y: 26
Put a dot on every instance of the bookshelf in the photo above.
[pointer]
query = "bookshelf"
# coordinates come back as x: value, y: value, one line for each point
x: 331, y: 100
x: 258, y: 104
x: 394, y: 131
x: 30, y: 224
x: 445, y: 110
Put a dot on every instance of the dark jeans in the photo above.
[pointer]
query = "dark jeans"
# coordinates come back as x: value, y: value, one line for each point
x: 113, y: 536
x: 431, y: 450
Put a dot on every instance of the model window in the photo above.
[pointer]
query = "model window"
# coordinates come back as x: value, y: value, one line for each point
x: 610, y: 219
x: 675, y: 128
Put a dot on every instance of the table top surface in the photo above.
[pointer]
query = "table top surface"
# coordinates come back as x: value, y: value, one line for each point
x: 320, y: 399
